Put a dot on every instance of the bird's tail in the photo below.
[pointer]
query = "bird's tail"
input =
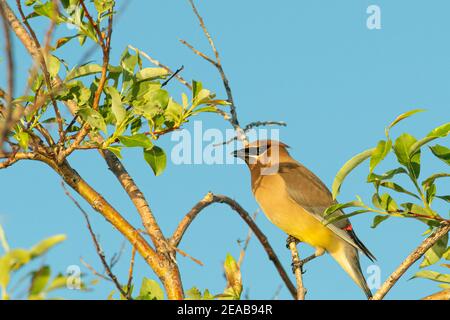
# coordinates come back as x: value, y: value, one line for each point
x: 348, y: 259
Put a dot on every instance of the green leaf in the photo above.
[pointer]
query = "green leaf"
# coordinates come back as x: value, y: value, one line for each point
x: 433, y: 275
x: 439, y: 132
x: 18, y: 258
x: 93, y: 118
x: 45, y: 245
x: 103, y: 5
x: 398, y: 188
x: 435, y: 253
x: 384, y: 202
x: 196, y: 88
x: 385, y: 176
x: 53, y: 65
x: 136, y: 125
x: 5, y: 265
x: 402, y: 117
x: 128, y: 61
x: 137, y: 140
x: 194, y: 294
x: 156, y: 158
x: 401, y: 148
x: 379, y: 219
x: 117, y: 106
x: 150, y: 290
x: 151, y: 74
x: 116, y: 150
x: 339, y: 206
x: 233, y: 276
x: 445, y: 198
x: 83, y: 71
x: 430, y: 180
x: 202, y: 96
x: 24, y: 139
x: 59, y: 282
x: 414, y: 208
x: 174, y: 112
x: 430, y: 194
x: 347, y: 168
x: 442, y: 153
x: 39, y: 280
x: 380, y: 152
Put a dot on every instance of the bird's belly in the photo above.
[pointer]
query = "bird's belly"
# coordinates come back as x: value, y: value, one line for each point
x: 295, y: 221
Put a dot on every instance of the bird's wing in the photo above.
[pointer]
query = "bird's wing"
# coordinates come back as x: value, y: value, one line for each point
x: 306, y: 189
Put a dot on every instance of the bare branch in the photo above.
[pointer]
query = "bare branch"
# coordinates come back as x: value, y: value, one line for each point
x: 441, y: 295
x: 218, y: 64
x: 211, y: 198
x: 411, y: 259
x: 98, y: 248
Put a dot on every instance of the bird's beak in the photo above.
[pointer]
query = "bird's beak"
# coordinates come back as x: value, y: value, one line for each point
x: 239, y: 154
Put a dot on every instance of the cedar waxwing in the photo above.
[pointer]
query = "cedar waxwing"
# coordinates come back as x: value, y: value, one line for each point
x: 294, y: 199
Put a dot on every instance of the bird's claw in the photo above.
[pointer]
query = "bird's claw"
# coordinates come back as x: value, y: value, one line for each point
x: 291, y: 239
x: 298, y: 265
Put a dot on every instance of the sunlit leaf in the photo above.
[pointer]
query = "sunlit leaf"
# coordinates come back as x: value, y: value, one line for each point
x: 93, y: 118
x: 442, y: 153
x: 137, y: 140
x: 156, y: 158
x: 151, y: 74
x: 433, y: 275
x: 379, y: 219
x: 45, y: 245
x: 435, y: 253
x: 347, y: 168
x: 150, y: 290
x: 380, y: 152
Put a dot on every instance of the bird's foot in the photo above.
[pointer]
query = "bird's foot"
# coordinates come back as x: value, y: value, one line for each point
x: 291, y: 239
x: 298, y: 265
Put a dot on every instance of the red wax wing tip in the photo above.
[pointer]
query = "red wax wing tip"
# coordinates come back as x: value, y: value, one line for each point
x: 348, y: 228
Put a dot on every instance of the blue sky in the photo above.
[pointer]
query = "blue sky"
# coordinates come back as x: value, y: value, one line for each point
x: 313, y: 64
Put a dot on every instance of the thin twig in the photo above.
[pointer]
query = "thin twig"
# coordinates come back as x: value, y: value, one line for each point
x: 98, y: 248
x: 411, y: 259
x: 94, y: 272
x: 218, y: 64
x: 211, y: 198
x: 247, y: 241
x: 159, y: 64
x: 172, y: 76
x: 130, y: 272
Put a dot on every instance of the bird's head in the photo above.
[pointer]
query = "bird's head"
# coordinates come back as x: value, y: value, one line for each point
x: 263, y: 153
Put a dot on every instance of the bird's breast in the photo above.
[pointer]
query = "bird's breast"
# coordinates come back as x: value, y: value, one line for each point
x: 271, y: 194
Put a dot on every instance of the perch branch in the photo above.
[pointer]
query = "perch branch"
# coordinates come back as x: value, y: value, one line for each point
x: 301, y: 291
x: 411, y: 259
x: 211, y: 198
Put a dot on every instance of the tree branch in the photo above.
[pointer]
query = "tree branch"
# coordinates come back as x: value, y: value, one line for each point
x: 441, y: 295
x: 411, y: 259
x: 211, y: 198
x: 301, y: 291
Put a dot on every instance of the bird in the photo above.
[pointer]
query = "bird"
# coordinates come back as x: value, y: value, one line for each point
x: 294, y: 199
